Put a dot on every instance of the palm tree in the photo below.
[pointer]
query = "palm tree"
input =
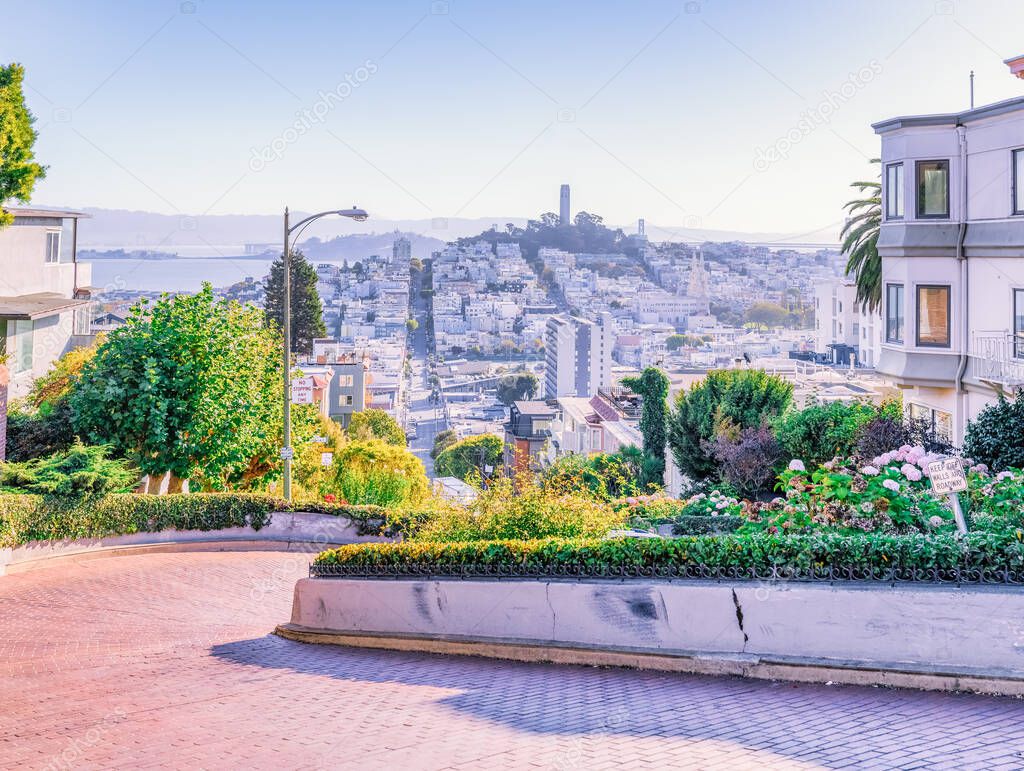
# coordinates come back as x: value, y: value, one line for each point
x: 860, y: 242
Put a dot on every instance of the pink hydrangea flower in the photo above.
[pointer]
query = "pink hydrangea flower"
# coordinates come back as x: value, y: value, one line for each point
x: 891, y: 484
x: 869, y: 471
x: 913, y: 473
x: 797, y: 465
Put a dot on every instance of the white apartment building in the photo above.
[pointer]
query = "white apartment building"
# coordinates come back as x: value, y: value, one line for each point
x: 44, y: 291
x: 578, y: 355
x: 952, y: 249
x: 841, y: 325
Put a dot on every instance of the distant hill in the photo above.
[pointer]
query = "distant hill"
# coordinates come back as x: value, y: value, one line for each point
x: 210, y: 234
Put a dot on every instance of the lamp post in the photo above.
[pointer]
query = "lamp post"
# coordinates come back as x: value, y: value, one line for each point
x: 358, y: 215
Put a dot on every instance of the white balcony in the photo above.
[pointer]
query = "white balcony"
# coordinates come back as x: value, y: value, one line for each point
x: 997, y: 357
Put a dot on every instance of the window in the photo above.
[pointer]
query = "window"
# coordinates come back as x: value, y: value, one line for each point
x: 894, y: 313
x: 933, y: 316
x: 82, y: 321
x: 345, y: 381
x: 22, y: 354
x: 345, y: 400
x: 932, y: 189
x: 1018, y: 181
x: 938, y: 423
x: 52, y: 247
x: 894, y: 191
x: 1018, y: 323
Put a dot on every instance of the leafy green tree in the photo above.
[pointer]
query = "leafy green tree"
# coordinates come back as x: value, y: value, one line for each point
x: 860, y: 242
x: 604, y: 476
x: 652, y: 386
x: 516, y: 387
x: 819, y: 432
x: 767, y: 315
x: 376, y: 424
x: 737, y: 398
x: 442, y: 441
x: 307, y: 311
x: 191, y: 385
x: 675, y: 342
x: 470, y: 457
x: 19, y: 171
x: 996, y: 436
x: 374, y: 472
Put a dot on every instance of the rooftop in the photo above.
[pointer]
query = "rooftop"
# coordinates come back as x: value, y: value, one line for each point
x: 534, y: 408
x: 950, y: 118
x: 33, y: 306
x: 29, y: 211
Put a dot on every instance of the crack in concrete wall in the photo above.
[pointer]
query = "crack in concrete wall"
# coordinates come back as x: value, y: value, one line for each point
x: 739, y: 619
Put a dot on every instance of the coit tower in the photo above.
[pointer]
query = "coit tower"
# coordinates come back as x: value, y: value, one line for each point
x: 563, y: 206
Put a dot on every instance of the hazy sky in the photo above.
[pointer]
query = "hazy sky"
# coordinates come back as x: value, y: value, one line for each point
x: 709, y: 113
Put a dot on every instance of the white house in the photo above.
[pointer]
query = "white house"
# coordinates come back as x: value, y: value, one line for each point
x: 44, y: 291
x: 841, y: 324
x: 952, y: 249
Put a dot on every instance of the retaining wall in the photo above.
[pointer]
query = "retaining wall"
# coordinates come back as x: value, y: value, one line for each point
x: 920, y: 635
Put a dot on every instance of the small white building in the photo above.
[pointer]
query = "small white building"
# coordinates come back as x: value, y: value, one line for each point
x: 842, y: 326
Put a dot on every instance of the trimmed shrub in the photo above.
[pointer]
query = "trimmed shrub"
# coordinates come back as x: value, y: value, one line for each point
x: 25, y: 518
x: 996, y: 436
x: 643, y: 557
x: 700, y: 524
x: 820, y: 432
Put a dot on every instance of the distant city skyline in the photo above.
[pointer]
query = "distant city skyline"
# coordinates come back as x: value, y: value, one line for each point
x: 704, y: 114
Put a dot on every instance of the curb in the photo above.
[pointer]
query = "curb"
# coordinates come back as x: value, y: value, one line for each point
x: 819, y: 672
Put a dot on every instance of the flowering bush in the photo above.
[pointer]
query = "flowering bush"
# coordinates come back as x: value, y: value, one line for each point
x: 890, y: 494
x: 997, y: 503
x: 714, y: 505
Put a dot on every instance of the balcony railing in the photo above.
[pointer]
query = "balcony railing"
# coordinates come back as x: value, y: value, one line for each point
x: 998, y: 357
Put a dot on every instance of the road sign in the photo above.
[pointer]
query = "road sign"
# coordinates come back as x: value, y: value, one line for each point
x: 287, y: 453
x: 326, y: 458
x: 320, y: 440
x: 302, y: 390
x: 947, y: 476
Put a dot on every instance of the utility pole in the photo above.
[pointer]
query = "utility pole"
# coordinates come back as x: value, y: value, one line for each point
x: 287, y: 312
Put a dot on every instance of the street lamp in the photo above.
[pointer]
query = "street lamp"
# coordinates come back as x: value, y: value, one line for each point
x: 359, y: 215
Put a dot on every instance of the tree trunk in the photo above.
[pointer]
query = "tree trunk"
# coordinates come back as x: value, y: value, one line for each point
x: 154, y: 484
x: 174, y: 484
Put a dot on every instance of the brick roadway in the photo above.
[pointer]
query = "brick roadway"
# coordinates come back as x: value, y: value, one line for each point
x: 166, y: 661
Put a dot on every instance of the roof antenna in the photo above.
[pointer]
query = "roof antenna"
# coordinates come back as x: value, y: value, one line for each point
x: 972, y: 89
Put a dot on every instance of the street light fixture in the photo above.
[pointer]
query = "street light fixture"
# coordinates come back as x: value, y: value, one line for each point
x: 359, y: 215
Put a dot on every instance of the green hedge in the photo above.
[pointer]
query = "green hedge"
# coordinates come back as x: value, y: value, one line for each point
x: 25, y: 518
x: 757, y: 552
x: 702, y: 524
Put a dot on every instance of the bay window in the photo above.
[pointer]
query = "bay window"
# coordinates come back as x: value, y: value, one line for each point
x: 1018, y: 181
x: 1018, y: 323
x: 894, y: 313
x: 933, y: 189
x: 894, y: 191
x: 933, y: 311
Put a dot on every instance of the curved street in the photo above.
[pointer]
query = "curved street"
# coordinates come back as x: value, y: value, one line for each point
x: 166, y: 660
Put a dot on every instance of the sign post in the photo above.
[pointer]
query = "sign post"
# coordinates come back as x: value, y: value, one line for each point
x: 948, y: 478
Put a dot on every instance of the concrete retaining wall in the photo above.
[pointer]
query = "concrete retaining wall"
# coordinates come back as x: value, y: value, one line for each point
x: 948, y: 633
x: 295, y: 531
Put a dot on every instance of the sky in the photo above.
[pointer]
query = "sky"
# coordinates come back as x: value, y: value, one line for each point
x: 724, y: 114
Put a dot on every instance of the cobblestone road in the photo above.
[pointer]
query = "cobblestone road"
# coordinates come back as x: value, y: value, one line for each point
x: 167, y: 661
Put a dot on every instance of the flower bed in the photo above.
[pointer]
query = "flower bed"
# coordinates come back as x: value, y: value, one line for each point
x: 25, y: 518
x: 981, y: 557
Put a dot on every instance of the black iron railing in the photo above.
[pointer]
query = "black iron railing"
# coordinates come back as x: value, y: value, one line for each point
x: 966, y: 574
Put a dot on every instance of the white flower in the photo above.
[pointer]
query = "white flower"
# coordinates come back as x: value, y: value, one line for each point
x: 891, y: 484
x: 980, y: 468
x: 1004, y: 475
x: 797, y: 465
x: 867, y: 507
x: 869, y: 471
x: 935, y: 521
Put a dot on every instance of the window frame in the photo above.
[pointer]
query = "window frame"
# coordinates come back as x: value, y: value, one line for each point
x: 51, y: 237
x: 917, y: 190
x: 1017, y: 312
x: 949, y: 315
x: 900, y: 199
x: 902, y: 331
x: 1016, y: 183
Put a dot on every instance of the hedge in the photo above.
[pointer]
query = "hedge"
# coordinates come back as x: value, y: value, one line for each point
x: 25, y: 518
x: 756, y: 555
x: 703, y: 524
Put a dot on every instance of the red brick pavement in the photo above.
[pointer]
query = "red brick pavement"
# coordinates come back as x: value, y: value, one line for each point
x: 166, y: 661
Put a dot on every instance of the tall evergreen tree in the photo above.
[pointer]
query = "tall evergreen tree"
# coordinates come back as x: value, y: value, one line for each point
x: 307, y: 313
x: 652, y: 386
